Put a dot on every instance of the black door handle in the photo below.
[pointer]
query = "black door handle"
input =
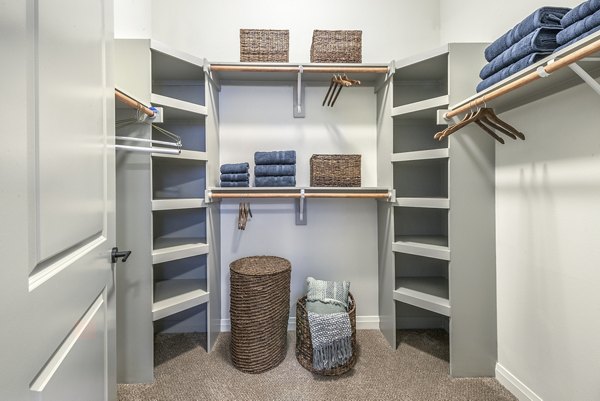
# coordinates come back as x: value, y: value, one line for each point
x: 115, y: 255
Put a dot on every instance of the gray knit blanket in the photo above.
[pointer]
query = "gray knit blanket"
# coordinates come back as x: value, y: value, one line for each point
x: 331, y: 339
x: 329, y: 323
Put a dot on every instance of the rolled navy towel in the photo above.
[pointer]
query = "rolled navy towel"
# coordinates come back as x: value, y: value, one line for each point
x: 578, y: 28
x: 234, y: 168
x: 275, y: 157
x: 265, y: 170
x: 281, y: 181
x: 235, y: 177
x: 583, y: 35
x: 540, y: 40
x: 235, y: 183
x: 580, y: 12
x: 545, y: 17
x: 510, y: 70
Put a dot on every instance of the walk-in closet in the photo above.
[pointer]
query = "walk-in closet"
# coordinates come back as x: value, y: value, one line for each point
x: 321, y: 200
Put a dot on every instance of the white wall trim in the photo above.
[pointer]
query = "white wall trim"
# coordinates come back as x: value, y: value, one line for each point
x: 514, y: 385
x: 362, y: 323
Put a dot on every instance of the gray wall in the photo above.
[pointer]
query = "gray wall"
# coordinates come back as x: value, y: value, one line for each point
x: 548, y: 227
x: 211, y: 28
x: 340, y: 240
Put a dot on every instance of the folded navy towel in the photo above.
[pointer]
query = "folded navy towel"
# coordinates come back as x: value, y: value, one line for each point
x: 545, y: 17
x: 235, y: 168
x: 281, y: 181
x: 275, y: 157
x: 580, y: 12
x: 235, y: 183
x: 578, y: 28
x: 583, y: 35
x: 511, y: 69
x: 540, y: 40
x: 274, y: 169
x: 235, y: 177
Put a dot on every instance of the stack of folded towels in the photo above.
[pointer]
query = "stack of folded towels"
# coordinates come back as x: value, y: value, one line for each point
x: 528, y: 42
x: 275, y: 169
x: 235, y: 175
x: 580, y: 22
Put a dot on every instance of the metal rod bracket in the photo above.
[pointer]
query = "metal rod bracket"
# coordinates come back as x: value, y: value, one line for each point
x: 587, y: 78
x: 301, y: 209
x: 299, y: 110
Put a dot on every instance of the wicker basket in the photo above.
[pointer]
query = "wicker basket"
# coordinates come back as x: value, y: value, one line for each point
x: 336, y: 47
x: 335, y: 171
x: 264, y: 45
x: 304, y: 349
x: 260, y: 307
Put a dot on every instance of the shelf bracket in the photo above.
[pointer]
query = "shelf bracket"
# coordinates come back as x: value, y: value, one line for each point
x: 299, y: 111
x: 301, y: 209
x: 587, y: 78
x: 389, y: 74
x: 392, y: 196
x: 208, y: 196
x: 209, y: 75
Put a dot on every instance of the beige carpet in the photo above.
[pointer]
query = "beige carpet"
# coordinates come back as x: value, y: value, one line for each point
x: 416, y: 371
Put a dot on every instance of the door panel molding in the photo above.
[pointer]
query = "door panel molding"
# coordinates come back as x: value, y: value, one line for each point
x: 44, y: 271
x: 79, y: 331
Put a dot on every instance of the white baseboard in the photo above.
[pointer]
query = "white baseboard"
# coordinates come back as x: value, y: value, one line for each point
x: 362, y: 323
x: 514, y: 385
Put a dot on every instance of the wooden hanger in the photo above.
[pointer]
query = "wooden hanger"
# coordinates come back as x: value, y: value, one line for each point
x: 502, y: 125
x: 335, y: 87
x: 488, y: 121
x: 244, y: 214
x: 332, y: 85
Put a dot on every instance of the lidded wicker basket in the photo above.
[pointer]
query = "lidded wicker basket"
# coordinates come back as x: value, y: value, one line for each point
x: 260, y: 308
x: 304, y: 349
x: 264, y: 45
x: 336, y: 47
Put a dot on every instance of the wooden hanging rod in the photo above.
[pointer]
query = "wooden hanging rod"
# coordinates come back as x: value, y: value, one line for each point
x: 123, y: 98
x: 577, y: 55
x: 307, y: 69
x: 298, y: 195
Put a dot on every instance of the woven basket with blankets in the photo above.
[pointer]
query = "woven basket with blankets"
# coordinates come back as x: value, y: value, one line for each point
x: 326, y: 328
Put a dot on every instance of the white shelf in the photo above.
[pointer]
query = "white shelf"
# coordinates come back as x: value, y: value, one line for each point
x: 180, y: 56
x: 422, y: 109
x: 173, y: 296
x: 178, y: 109
x: 166, y: 249
x: 423, y: 65
x: 184, y: 155
x: 423, y: 245
x: 297, y: 190
x: 434, y: 203
x: 420, y: 155
x: 557, y: 81
x: 430, y: 293
x: 278, y: 72
x: 174, y: 204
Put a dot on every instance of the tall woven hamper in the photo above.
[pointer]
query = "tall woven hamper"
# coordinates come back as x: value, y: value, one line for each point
x: 304, y: 348
x: 260, y: 308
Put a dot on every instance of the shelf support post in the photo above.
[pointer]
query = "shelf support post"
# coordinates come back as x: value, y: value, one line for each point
x: 299, y: 111
x: 301, y: 209
x: 588, y: 79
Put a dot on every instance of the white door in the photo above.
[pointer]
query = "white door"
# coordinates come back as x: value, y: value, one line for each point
x: 57, y: 323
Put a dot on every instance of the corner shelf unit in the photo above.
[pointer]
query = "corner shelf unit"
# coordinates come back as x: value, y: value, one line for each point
x: 443, y: 213
x: 162, y: 196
